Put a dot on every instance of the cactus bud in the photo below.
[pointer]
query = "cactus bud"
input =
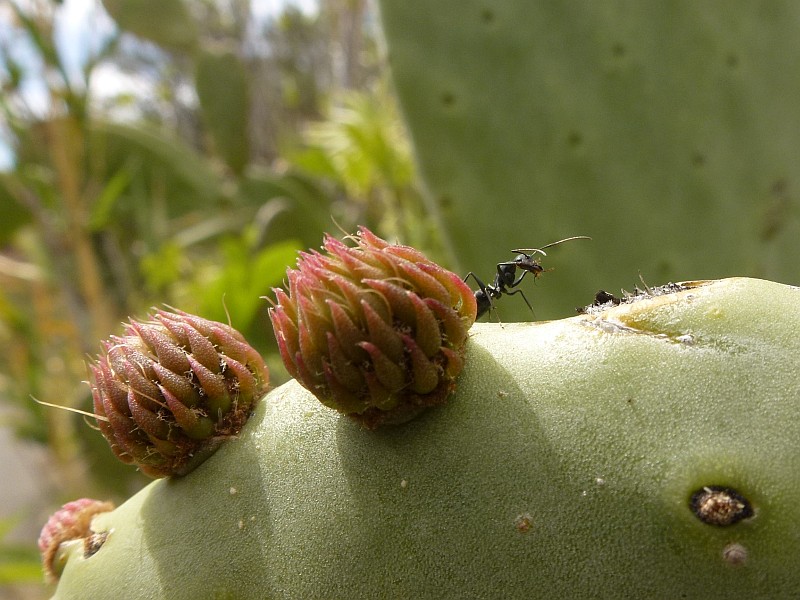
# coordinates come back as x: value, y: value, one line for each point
x: 171, y: 389
x: 376, y: 331
x: 70, y: 522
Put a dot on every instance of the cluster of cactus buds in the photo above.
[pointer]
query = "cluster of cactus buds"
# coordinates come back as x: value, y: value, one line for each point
x: 172, y: 388
x: 376, y: 330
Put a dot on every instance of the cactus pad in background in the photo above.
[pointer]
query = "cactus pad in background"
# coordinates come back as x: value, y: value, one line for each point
x: 222, y: 88
x: 646, y: 450
x: 170, y: 390
x: 657, y: 129
x: 165, y: 22
x: 376, y: 331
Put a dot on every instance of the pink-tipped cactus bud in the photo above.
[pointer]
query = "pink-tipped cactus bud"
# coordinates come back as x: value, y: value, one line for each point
x: 376, y: 331
x: 70, y: 522
x: 171, y: 389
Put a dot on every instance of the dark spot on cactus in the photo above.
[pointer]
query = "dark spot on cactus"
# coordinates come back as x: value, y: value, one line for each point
x: 523, y: 523
x: 618, y: 50
x: 93, y: 543
x: 720, y: 506
x: 445, y: 201
x: 487, y: 15
x: 732, y: 60
x: 698, y: 160
x: 574, y: 139
x: 603, y: 297
x: 448, y: 99
x: 779, y: 188
x: 665, y: 269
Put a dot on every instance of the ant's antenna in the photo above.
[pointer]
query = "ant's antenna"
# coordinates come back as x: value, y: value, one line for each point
x: 345, y: 233
x: 542, y: 252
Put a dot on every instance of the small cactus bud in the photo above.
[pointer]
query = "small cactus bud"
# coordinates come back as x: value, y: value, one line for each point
x: 70, y: 522
x: 376, y: 331
x: 170, y: 390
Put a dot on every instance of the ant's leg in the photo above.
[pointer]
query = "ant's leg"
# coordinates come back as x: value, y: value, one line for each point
x: 521, y: 293
x: 538, y: 270
x: 518, y: 280
x: 481, y: 285
x: 486, y: 304
x: 483, y: 296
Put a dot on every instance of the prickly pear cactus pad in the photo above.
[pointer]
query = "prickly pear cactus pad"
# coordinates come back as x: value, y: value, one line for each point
x: 645, y: 450
x: 533, y: 119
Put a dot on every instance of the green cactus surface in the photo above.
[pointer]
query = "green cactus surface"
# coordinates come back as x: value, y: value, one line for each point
x: 165, y: 22
x: 655, y: 128
x: 221, y: 80
x: 567, y: 465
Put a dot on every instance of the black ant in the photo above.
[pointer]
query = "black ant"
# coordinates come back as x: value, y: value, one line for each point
x: 506, y: 279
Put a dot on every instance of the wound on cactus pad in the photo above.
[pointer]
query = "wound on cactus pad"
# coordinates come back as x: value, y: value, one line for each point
x: 721, y: 506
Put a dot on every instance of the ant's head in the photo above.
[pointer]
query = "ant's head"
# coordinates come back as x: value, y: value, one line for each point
x: 525, y: 259
x: 526, y: 262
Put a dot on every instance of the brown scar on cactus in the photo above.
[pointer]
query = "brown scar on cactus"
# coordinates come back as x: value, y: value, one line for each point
x: 720, y: 506
x: 639, y: 320
x: 376, y: 331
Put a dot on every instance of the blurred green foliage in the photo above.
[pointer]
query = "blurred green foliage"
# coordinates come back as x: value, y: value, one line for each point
x: 19, y: 563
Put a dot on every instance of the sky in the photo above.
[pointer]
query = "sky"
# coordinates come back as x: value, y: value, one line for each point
x: 79, y: 29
